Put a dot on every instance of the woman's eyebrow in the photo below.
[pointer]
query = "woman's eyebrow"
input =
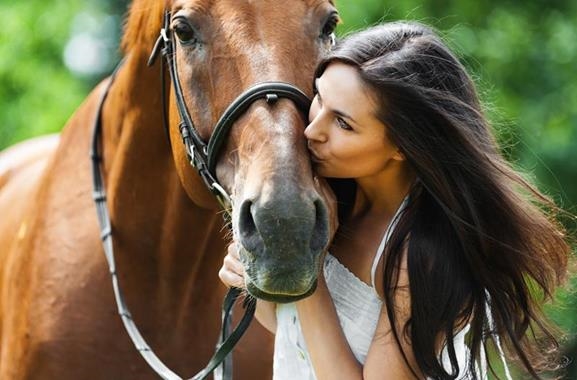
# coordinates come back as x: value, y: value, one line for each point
x: 336, y: 112
x: 316, y: 90
x: 344, y: 115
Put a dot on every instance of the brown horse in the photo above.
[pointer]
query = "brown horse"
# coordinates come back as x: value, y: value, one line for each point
x: 58, y: 319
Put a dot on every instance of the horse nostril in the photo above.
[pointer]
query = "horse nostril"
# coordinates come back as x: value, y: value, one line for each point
x: 248, y: 233
x: 320, y: 236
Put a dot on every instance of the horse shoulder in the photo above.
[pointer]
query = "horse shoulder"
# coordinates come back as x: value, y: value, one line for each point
x: 50, y: 246
x: 22, y: 167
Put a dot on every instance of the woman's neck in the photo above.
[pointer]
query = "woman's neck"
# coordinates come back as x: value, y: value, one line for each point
x: 380, y: 196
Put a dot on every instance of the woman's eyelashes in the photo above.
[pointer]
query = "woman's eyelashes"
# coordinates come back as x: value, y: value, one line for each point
x: 339, y: 121
x: 343, y: 124
x: 317, y: 101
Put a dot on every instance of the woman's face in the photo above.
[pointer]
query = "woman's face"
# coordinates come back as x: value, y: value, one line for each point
x: 345, y: 138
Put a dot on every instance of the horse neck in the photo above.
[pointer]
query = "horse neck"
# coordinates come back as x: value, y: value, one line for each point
x: 154, y: 223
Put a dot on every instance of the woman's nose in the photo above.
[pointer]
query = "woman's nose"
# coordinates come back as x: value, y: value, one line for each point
x: 314, y: 131
x: 309, y: 132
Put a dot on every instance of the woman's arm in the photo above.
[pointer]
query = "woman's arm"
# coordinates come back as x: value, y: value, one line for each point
x: 266, y: 315
x: 385, y: 359
x: 329, y: 350
x: 232, y: 274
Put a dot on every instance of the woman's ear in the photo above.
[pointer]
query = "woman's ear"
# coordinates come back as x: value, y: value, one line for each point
x: 398, y: 155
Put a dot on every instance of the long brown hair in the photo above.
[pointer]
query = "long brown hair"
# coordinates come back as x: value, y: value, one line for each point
x: 480, y: 234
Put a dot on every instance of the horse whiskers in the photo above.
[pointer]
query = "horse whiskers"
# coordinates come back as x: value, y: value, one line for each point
x: 229, y: 236
x: 248, y: 299
x: 227, y: 220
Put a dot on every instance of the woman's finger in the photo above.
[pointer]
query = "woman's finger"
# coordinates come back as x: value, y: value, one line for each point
x: 234, y: 250
x: 232, y: 271
x: 230, y: 278
x: 233, y: 264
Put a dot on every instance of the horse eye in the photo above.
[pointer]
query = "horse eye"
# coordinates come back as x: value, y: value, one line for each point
x: 184, y: 33
x: 330, y: 25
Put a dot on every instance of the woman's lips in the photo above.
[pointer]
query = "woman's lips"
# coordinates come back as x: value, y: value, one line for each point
x: 314, y: 156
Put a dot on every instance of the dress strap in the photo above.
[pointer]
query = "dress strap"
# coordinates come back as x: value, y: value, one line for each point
x: 385, y: 239
x: 496, y: 338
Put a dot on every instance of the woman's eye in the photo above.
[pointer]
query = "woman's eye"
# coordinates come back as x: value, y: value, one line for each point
x: 343, y: 124
x: 185, y: 33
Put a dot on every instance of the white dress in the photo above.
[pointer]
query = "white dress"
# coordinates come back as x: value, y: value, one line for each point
x: 358, y: 307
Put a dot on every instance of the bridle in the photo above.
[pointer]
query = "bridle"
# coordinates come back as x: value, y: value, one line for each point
x: 203, y: 157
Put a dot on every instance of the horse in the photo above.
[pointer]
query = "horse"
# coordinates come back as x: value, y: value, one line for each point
x: 58, y: 318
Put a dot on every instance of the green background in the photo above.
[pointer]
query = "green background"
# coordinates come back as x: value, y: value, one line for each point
x: 522, y: 54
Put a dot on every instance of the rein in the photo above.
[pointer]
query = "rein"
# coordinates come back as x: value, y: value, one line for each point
x: 203, y: 157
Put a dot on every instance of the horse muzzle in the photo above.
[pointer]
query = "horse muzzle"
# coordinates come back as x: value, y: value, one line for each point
x: 282, y: 244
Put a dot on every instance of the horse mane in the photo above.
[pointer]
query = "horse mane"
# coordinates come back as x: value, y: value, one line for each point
x: 142, y: 26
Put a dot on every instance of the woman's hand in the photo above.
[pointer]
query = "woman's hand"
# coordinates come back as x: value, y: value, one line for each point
x: 232, y: 275
x: 232, y: 271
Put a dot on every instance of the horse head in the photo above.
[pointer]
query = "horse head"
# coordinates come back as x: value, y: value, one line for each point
x: 282, y: 216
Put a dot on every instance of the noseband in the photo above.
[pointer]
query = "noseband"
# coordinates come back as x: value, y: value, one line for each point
x: 203, y: 157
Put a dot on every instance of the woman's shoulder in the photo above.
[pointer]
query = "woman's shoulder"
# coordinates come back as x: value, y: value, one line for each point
x: 402, y: 283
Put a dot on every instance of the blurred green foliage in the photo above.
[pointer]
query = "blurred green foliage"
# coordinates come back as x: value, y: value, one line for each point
x: 37, y: 92
x: 523, y: 56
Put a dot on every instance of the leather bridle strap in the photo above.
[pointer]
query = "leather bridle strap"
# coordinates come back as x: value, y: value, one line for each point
x: 203, y: 156
x: 271, y: 92
x: 227, y: 341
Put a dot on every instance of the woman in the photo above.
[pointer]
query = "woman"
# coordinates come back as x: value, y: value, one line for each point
x: 442, y: 246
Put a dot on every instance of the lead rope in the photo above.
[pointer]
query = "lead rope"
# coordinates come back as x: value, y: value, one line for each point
x: 226, y: 342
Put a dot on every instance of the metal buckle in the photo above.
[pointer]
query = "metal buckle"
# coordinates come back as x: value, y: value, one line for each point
x: 223, y: 199
x: 164, y: 35
x: 160, y: 45
x: 154, y: 52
